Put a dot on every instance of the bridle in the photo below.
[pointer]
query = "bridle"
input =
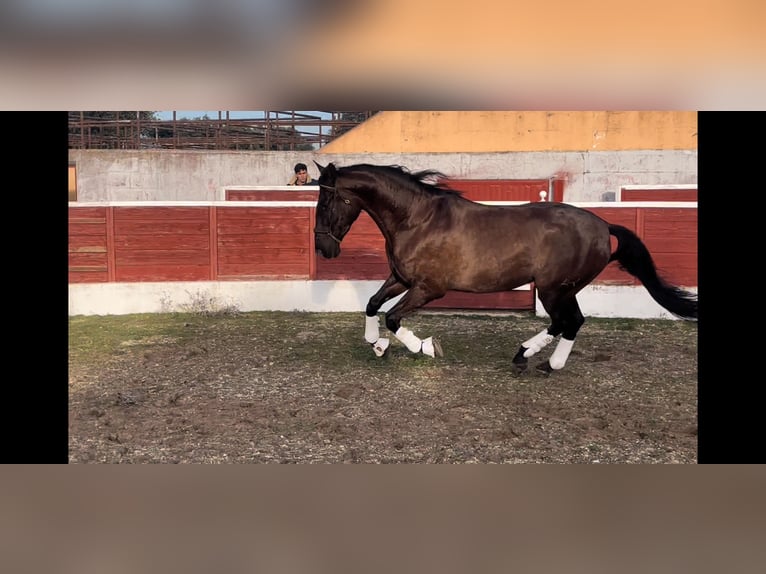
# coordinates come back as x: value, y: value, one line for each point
x: 322, y: 232
x: 327, y: 232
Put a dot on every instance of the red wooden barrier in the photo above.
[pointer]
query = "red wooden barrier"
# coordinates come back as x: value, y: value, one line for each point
x: 237, y: 242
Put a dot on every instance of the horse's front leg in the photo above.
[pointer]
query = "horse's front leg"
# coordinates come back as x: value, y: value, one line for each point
x: 390, y: 289
x: 413, y: 300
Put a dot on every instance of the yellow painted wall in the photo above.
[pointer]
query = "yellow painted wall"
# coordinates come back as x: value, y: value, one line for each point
x: 72, y: 183
x: 494, y: 131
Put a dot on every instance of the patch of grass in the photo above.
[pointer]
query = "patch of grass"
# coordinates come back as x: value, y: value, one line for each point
x: 95, y: 338
x: 332, y: 339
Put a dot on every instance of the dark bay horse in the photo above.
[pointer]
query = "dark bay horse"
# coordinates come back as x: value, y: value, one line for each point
x: 436, y: 241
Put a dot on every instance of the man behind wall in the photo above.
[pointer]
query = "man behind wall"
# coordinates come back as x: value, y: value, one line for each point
x: 301, y: 176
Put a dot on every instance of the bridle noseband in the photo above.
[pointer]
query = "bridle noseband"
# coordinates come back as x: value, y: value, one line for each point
x: 327, y: 232
x: 321, y: 232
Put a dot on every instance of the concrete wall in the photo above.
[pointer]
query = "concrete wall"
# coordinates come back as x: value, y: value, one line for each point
x: 127, y: 175
x: 315, y: 296
x: 597, y: 153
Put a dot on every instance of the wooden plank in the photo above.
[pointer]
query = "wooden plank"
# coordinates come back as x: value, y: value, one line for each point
x: 111, y: 259
x: 225, y: 213
x: 159, y: 213
x: 226, y: 244
x: 270, y: 195
x: 80, y: 227
x: 87, y: 243
x: 270, y: 269
x: 151, y: 272
x: 500, y: 189
x: 678, y: 269
x: 618, y: 215
x: 260, y: 257
x: 89, y: 276
x: 146, y: 242
x: 312, y: 249
x: 88, y: 260
x: 87, y: 214
x: 159, y: 257
x: 213, y: 242
x: 249, y: 227
x: 658, y: 194
x: 361, y: 271
x: 159, y: 228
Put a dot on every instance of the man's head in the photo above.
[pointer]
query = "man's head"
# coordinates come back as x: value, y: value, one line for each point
x: 301, y: 174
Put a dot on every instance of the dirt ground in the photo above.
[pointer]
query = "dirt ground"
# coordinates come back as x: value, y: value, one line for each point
x: 306, y: 388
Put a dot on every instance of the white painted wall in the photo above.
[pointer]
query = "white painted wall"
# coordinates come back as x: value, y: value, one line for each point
x: 315, y: 296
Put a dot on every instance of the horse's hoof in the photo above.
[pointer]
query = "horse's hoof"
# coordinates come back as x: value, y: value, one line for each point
x: 431, y: 347
x: 520, y: 366
x: 380, y: 347
x: 545, y: 367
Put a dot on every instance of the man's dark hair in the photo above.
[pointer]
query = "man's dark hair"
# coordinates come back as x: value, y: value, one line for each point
x: 300, y: 167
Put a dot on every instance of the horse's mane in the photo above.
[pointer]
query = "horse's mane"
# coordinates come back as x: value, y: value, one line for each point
x: 429, y: 180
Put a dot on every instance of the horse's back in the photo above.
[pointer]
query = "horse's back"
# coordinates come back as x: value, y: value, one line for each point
x: 554, y: 221
x: 501, y: 247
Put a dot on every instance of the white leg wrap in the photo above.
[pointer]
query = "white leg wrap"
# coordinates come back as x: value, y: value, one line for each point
x: 407, y: 337
x: 561, y: 353
x: 371, y: 329
x: 380, y: 347
x: 536, y: 343
x: 428, y: 347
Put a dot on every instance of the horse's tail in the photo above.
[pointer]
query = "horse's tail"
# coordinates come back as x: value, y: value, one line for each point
x: 634, y: 257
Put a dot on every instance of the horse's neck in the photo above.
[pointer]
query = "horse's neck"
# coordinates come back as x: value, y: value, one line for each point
x: 388, y: 213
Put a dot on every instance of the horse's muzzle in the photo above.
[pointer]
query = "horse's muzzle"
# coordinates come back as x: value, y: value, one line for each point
x: 327, y: 245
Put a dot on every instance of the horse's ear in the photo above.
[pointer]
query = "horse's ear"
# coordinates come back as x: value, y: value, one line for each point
x: 321, y: 168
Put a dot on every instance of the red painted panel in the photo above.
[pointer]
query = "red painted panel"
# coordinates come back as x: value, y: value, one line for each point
x: 88, y: 276
x: 269, y: 224
x: 167, y: 226
x: 169, y: 257
x: 152, y: 212
x: 162, y: 272
x: 263, y: 241
x: 174, y: 243
x: 500, y: 189
x: 658, y: 194
x: 368, y: 270
x: 262, y: 213
x: 144, y: 241
x: 93, y: 260
x: 613, y: 275
x: 624, y: 216
x: 272, y: 270
x: 87, y: 243
x: 270, y: 195
x: 80, y: 227
x: 254, y: 257
x: 90, y: 213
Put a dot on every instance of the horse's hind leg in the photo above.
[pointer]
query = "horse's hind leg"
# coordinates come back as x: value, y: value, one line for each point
x: 390, y: 289
x: 566, y: 320
x: 415, y: 298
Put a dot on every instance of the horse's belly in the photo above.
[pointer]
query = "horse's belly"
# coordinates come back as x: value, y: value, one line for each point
x: 488, y: 280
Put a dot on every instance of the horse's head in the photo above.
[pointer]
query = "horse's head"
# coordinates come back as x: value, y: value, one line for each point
x: 336, y: 211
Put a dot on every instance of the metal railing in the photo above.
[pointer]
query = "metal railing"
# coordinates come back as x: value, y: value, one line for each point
x: 275, y: 130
